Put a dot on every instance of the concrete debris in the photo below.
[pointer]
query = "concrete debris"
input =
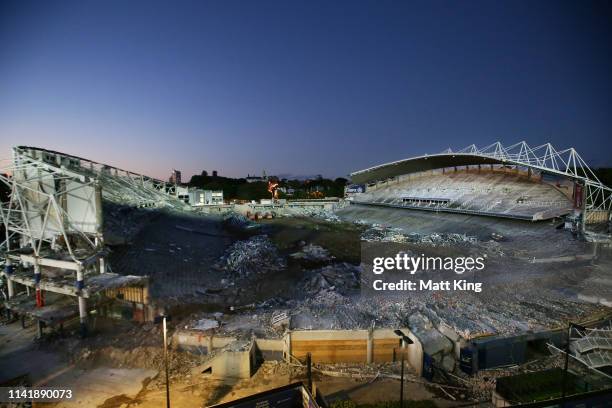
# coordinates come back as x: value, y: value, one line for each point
x: 122, y: 224
x: 235, y: 221
x: 497, y: 237
x: 314, y: 212
x: 361, y: 222
x: 313, y: 254
x: 261, y: 324
x: 341, y: 277
x: 381, y: 233
x: 205, y: 324
x: 280, y: 320
x: 256, y: 255
x: 438, y: 346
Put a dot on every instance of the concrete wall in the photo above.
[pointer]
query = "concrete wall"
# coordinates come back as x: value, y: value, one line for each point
x: 358, y: 346
x: 330, y: 346
x: 325, y: 346
x: 204, y: 341
x: 270, y: 349
x: 383, y: 341
x: 232, y: 364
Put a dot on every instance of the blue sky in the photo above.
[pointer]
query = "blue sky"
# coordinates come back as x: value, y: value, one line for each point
x: 301, y: 87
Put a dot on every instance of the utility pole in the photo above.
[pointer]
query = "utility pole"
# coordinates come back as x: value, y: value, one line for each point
x: 163, y: 320
x: 405, y: 341
x: 402, y: 383
x: 166, y: 363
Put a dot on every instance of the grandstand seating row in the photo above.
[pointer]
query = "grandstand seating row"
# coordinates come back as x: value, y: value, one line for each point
x: 489, y: 193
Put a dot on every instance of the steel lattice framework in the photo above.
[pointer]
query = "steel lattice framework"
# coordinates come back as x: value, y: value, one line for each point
x: 58, y: 196
x: 546, y: 158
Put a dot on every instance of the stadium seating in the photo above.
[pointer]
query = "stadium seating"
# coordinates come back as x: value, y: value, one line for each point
x: 486, y: 193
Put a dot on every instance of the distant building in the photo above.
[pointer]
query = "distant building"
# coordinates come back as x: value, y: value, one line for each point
x: 175, y: 177
x: 199, y: 197
x: 182, y: 193
x: 256, y: 179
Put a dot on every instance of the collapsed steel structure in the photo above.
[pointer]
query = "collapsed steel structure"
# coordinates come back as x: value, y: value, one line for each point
x: 54, y: 194
x: 544, y: 158
x: 53, y: 218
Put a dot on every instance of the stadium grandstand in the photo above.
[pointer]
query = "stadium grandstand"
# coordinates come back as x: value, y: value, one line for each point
x: 517, y: 181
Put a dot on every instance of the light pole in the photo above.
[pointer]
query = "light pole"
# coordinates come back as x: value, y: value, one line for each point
x: 405, y: 341
x: 163, y: 319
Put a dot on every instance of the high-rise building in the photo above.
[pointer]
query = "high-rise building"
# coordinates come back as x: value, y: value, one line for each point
x: 175, y: 177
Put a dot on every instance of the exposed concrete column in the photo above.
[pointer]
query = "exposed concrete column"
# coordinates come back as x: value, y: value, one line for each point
x: 36, y: 273
x: 99, y: 244
x: 80, y: 284
x: 209, y: 344
x: 8, y: 272
x: 83, y: 315
x: 37, y: 276
x: 288, y: 346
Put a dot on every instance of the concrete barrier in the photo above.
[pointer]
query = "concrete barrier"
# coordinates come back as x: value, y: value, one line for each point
x: 270, y: 349
x: 325, y: 346
x: 236, y: 360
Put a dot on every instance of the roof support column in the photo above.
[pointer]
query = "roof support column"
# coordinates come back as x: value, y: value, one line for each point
x: 8, y: 272
x: 40, y: 301
x: 80, y: 284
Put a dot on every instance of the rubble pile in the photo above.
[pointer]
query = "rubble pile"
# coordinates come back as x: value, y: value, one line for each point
x: 276, y: 368
x: 481, y: 385
x: 313, y: 254
x: 328, y: 310
x: 340, y: 277
x: 237, y: 221
x: 205, y: 324
x: 379, y: 233
x: 366, y: 371
x: 122, y: 223
x: 327, y: 216
x: 255, y: 255
x: 320, y: 213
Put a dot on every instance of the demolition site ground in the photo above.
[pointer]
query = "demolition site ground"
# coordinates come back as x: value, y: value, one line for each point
x: 234, y: 276
x: 536, y: 276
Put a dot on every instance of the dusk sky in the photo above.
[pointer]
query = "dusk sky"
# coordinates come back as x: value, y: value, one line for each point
x: 301, y: 88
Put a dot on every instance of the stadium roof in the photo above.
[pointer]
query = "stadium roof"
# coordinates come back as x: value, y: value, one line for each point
x: 545, y: 158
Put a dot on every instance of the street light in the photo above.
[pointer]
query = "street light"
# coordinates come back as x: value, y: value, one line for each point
x: 405, y: 341
x: 162, y: 319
